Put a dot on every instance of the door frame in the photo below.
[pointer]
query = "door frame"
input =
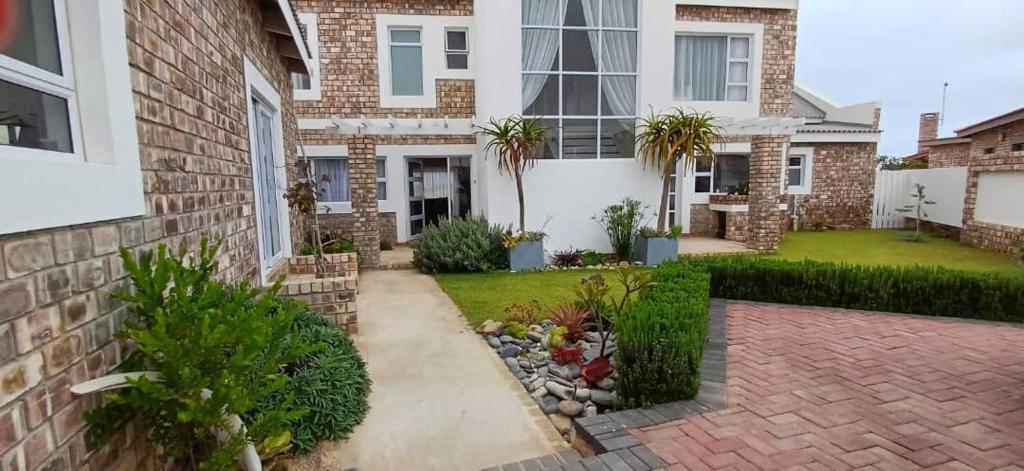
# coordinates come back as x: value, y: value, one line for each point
x: 410, y: 198
x: 419, y: 158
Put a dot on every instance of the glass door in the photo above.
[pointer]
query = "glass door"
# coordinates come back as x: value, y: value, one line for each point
x: 268, y: 194
x: 415, y: 183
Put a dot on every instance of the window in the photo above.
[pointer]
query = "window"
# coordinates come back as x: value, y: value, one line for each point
x: 728, y: 174
x: 795, y: 170
x: 456, y: 49
x: 989, y: 150
x: 406, y: 62
x: 702, y: 176
x: 307, y: 85
x: 798, y: 170
x: 712, y: 68
x: 382, y: 179
x: 579, y: 75
x: 37, y: 87
x: 301, y: 81
x: 1018, y: 147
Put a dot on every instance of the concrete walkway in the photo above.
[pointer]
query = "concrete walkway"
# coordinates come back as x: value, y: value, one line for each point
x: 441, y: 398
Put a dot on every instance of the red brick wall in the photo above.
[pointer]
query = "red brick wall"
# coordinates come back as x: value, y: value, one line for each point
x: 348, y: 57
x: 949, y: 155
x: 56, y: 316
x: 842, y: 189
x: 779, y: 68
x: 703, y: 221
x: 997, y: 237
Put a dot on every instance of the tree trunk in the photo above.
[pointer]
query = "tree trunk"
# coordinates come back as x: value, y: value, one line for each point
x: 522, y: 207
x: 666, y: 182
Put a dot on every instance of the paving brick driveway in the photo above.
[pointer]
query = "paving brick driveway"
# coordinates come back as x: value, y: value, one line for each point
x: 814, y: 388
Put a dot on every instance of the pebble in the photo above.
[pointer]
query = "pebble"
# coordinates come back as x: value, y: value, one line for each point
x: 510, y: 351
x: 570, y: 408
x: 582, y: 394
x: 538, y: 383
x: 535, y: 336
x: 607, y: 384
x: 562, y: 423
x: 539, y: 393
x: 493, y: 341
x: 512, y: 365
x: 603, y: 398
x: 549, y: 404
x: 559, y: 390
x: 490, y: 327
x: 589, y: 409
x: 506, y: 339
x: 560, y: 371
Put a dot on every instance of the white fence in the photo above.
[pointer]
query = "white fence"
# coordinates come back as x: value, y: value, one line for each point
x: 945, y: 186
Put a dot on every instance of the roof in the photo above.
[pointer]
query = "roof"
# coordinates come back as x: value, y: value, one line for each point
x: 945, y: 141
x: 279, y: 20
x: 997, y: 121
x: 824, y: 117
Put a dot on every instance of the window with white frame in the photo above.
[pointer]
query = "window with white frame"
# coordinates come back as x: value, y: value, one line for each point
x: 406, y: 61
x: 456, y: 48
x: 382, y: 179
x: 332, y: 173
x: 712, y: 68
x: 703, y: 172
x: 799, y: 170
x: 37, y: 87
x: 728, y: 174
x: 579, y: 75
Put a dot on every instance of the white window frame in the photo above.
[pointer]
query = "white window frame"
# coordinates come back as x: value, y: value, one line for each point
x: 432, y: 28
x: 448, y: 51
x: 729, y: 60
x: 806, y: 167
x: 423, y: 59
x: 382, y: 162
x: 310, y: 21
x: 733, y: 109
x: 314, y: 161
x: 561, y: 73
x: 102, y: 179
x: 258, y: 87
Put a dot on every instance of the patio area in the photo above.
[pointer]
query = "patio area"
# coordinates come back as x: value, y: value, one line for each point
x: 710, y: 246
x: 816, y: 388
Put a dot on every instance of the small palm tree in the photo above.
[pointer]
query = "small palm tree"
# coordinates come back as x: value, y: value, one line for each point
x: 666, y: 139
x: 516, y: 141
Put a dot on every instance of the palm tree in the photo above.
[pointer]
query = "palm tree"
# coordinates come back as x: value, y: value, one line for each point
x: 516, y: 141
x: 666, y: 139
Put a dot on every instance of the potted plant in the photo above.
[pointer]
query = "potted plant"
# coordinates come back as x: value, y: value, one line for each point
x: 665, y: 140
x: 517, y: 141
x: 651, y: 246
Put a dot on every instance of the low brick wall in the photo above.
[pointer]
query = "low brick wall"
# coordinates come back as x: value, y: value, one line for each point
x: 341, y: 224
x: 333, y: 297
x: 736, y: 227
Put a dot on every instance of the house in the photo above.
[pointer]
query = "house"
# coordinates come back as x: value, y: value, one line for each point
x: 388, y: 113
x: 992, y: 152
x: 127, y: 124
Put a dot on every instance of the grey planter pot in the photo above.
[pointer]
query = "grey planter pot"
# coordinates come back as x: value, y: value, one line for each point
x: 654, y: 251
x: 526, y: 256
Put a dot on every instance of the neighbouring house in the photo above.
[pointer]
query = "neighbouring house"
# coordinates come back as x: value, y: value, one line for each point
x: 389, y: 110
x: 991, y: 155
x: 130, y: 124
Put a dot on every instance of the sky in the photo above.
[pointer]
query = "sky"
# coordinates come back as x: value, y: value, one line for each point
x: 900, y: 52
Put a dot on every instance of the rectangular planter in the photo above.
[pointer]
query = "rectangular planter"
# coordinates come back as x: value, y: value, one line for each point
x: 654, y: 251
x: 526, y: 256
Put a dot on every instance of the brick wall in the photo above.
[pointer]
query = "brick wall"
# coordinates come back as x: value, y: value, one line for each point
x: 703, y: 221
x: 842, y: 189
x: 949, y: 155
x: 348, y: 58
x: 765, y: 219
x: 927, y: 129
x: 56, y: 317
x: 779, y: 68
x: 341, y: 224
x: 997, y: 237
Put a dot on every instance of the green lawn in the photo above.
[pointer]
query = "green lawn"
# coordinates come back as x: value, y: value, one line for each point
x: 888, y: 248
x: 482, y: 296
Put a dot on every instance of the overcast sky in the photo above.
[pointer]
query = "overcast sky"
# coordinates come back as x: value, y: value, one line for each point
x: 900, y: 52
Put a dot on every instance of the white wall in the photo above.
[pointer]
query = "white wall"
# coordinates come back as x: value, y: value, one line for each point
x: 947, y: 187
x: 999, y: 199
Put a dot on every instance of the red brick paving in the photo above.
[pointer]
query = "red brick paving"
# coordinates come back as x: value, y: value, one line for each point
x: 827, y: 389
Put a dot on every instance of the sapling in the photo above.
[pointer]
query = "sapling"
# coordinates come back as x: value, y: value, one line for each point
x: 918, y: 209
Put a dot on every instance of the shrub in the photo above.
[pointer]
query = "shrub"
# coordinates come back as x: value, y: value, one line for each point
x: 931, y: 291
x: 331, y: 384
x: 566, y: 354
x: 339, y: 245
x: 460, y: 245
x: 516, y: 330
x: 622, y: 224
x: 567, y: 258
x: 556, y: 337
x: 571, y: 316
x: 524, y: 313
x: 661, y: 338
x: 216, y: 349
x: 592, y: 258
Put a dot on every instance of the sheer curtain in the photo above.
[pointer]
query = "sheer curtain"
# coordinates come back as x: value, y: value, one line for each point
x: 336, y: 190
x: 701, y: 65
x: 540, y: 46
x: 618, y: 53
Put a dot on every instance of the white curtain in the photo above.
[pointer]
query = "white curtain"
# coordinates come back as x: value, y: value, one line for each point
x: 701, y: 65
x: 436, y: 182
x: 540, y: 46
x: 618, y: 54
x: 336, y: 190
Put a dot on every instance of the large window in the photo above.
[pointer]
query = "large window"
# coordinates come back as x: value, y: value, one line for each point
x: 712, y: 68
x: 37, y: 89
x: 406, y: 62
x: 728, y: 174
x: 333, y: 175
x: 579, y: 75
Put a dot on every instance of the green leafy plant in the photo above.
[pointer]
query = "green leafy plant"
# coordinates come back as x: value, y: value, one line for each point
x: 887, y: 162
x: 510, y: 240
x: 592, y: 258
x: 330, y: 383
x: 524, y: 313
x: 516, y: 330
x: 339, y: 245
x: 660, y: 338
x: 674, y: 232
x: 556, y: 337
x: 460, y: 245
x: 663, y: 140
x: 918, y: 209
x: 515, y: 141
x: 216, y: 349
x: 622, y: 224
x: 567, y: 258
x: 595, y: 295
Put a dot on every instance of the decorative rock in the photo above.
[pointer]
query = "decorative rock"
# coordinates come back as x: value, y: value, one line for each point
x: 522, y: 374
x: 493, y: 341
x: 559, y: 390
x: 603, y: 398
x: 490, y: 327
x: 582, y: 394
x: 525, y: 363
x: 513, y: 365
x: 607, y: 384
x: 556, y: 379
x: 562, y: 423
x: 589, y: 409
x: 506, y: 339
x: 539, y: 393
x: 560, y: 371
x: 574, y: 370
x: 538, y: 383
x: 535, y: 336
x: 537, y: 358
x: 510, y: 351
x: 535, y: 328
x: 549, y: 404
x: 570, y: 408
x: 595, y: 337
x: 543, y: 371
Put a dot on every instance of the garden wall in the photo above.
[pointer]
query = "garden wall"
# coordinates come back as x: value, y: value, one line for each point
x: 334, y: 296
x: 56, y: 317
x: 1003, y: 235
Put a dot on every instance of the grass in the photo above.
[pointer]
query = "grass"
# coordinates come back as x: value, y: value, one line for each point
x: 875, y: 247
x: 482, y: 296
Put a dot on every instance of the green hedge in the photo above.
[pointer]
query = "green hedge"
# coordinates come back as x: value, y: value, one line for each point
x: 930, y: 291
x: 661, y: 338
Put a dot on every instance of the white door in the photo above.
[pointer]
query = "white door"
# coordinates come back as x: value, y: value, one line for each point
x: 268, y: 192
